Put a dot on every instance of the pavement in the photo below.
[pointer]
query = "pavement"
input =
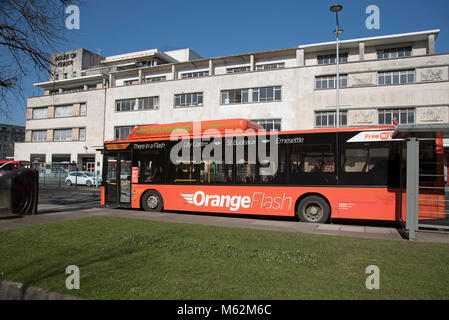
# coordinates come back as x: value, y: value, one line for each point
x: 19, y: 291
x: 58, y: 205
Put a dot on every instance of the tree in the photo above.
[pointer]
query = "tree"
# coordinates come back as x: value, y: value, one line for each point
x: 30, y: 30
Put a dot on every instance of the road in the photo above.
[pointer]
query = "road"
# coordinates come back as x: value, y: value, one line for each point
x: 53, y: 200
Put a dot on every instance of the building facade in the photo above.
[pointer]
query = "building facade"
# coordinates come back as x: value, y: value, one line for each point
x: 90, y: 99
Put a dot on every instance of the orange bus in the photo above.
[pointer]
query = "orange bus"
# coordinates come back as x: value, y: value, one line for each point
x: 6, y: 166
x: 234, y: 167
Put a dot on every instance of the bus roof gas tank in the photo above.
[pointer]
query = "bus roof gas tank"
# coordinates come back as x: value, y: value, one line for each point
x: 191, y: 128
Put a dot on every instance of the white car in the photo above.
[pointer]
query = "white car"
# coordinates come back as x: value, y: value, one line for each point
x: 81, y: 177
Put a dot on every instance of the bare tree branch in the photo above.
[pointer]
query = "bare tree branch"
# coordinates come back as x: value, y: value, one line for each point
x: 30, y: 31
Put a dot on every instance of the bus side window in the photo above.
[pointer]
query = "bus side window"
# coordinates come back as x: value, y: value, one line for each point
x: 272, y: 169
x: 366, y: 164
x: 213, y: 169
x: 315, y: 163
x: 246, y: 158
x: 355, y: 159
x: 366, y: 160
x: 183, y: 173
x: 151, y: 165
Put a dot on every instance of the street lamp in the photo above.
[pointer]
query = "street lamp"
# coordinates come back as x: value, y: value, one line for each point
x: 337, y: 8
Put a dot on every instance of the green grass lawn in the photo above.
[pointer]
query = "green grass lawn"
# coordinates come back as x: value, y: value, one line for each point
x: 134, y: 259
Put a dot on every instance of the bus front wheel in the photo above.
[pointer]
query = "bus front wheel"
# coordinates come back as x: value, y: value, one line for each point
x: 313, y: 209
x: 152, y: 201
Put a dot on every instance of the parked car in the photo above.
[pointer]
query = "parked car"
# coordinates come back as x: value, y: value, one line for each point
x: 82, y: 178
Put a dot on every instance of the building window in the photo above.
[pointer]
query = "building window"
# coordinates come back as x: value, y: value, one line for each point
x: 403, y: 116
x: 238, y: 69
x: 332, y: 58
x: 83, y: 109
x: 125, y: 105
x: 330, y: 82
x: 38, y: 160
x: 146, y: 103
x: 130, y: 82
x: 197, y: 74
x: 234, y: 96
x: 257, y: 95
x: 39, y: 136
x: 60, y: 162
x: 149, y: 103
x: 270, y: 66
x: 62, y: 135
x: 148, y: 63
x: 394, y: 53
x: 188, y: 99
x: 82, y: 134
x: 326, y: 119
x: 155, y: 79
x: 63, y: 111
x: 72, y: 90
x: 40, y: 113
x: 266, y: 94
x: 396, y: 77
x: 121, y: 133
x: 269, y: 124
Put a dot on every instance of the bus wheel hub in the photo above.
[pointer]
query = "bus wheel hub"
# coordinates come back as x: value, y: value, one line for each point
x: 152, y: 202
x: 313, y: 212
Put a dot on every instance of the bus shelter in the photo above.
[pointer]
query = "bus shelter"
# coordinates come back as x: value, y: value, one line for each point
x: 427, y: 201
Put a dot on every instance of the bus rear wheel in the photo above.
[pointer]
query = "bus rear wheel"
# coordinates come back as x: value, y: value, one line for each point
x: 152, y: 201
x: 313, y: 209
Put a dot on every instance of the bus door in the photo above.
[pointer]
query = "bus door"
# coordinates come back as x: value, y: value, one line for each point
x: 118, y: 178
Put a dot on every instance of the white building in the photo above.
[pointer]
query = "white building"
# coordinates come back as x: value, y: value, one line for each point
x: 90, y: 99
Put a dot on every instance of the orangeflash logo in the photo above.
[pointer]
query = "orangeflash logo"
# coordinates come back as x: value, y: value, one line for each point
x: 234, y: 203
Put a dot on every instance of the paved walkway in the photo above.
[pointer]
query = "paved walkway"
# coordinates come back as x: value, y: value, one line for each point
x: 19, y: 291
x: 53, y: 213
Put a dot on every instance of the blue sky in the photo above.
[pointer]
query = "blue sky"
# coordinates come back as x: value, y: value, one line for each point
x: 217, y: 28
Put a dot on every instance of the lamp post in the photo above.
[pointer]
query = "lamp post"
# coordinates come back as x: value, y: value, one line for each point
x: 337, y: 8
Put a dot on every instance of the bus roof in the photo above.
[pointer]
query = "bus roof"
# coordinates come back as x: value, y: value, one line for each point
x: 218, y: 128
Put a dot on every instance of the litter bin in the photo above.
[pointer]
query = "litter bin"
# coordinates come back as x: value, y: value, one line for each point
x: 19, y: 191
